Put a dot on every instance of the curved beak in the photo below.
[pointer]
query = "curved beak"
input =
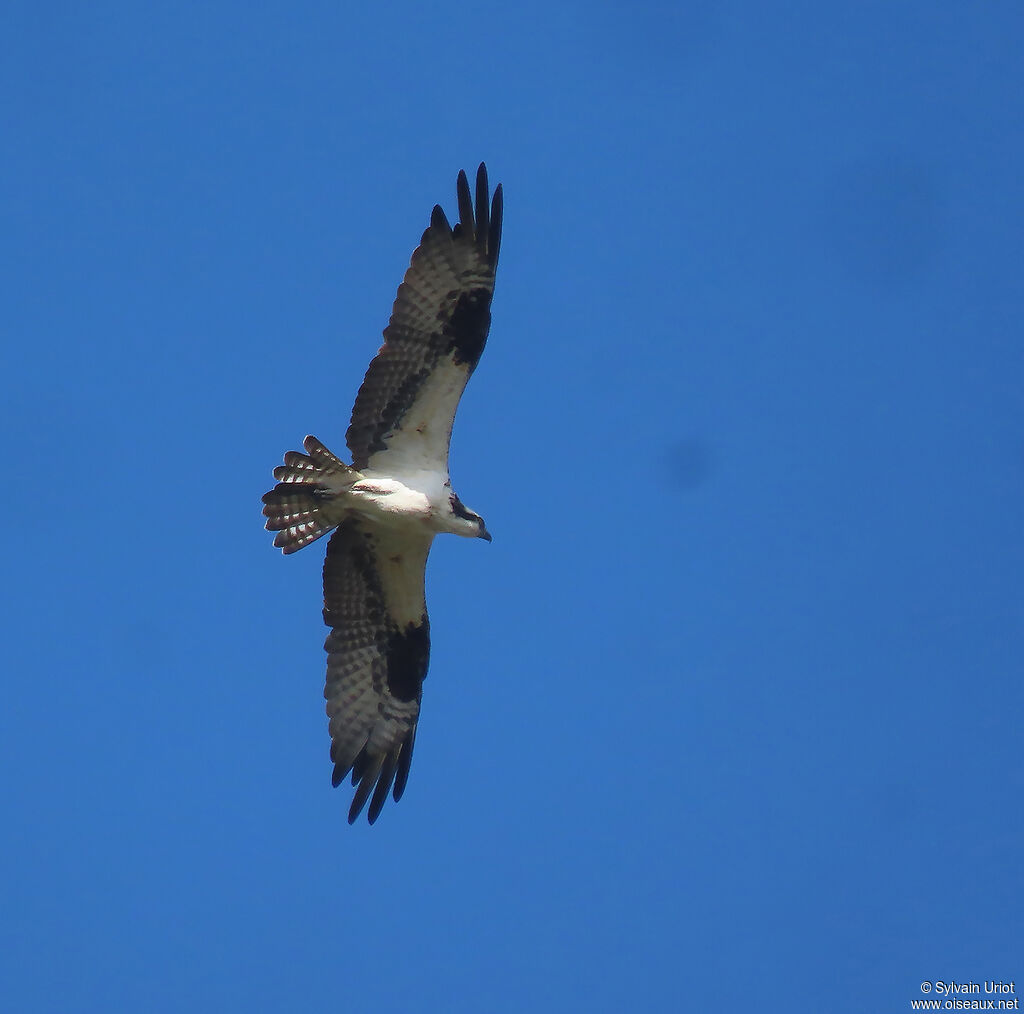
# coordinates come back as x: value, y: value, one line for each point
x: 484, y: 534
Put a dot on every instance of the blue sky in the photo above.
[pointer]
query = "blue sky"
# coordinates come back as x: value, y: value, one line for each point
x: 729, y: 713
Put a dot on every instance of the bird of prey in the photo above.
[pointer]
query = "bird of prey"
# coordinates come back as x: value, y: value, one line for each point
x: 387, y: 506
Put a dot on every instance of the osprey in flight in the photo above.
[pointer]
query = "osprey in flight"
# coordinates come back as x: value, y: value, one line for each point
x: 387, y: 506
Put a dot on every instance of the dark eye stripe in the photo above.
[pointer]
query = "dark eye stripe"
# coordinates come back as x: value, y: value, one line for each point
x: 459, y: 510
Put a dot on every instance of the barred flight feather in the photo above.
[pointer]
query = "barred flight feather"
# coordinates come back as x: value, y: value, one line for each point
x: 375, y: 663
x: 436, y: 335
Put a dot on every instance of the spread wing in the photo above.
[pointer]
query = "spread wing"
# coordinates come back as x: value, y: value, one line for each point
x: 403, y: 414
x: 377, y: 653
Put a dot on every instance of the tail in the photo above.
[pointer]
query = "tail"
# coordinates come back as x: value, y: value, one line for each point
x: 304, y: 504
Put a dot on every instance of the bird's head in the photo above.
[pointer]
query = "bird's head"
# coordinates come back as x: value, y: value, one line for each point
x: 465, y: 522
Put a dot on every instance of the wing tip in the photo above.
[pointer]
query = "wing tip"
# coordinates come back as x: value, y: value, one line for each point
x: 494, y: 236
x: 404, y: 763
x: 367, y: 774
x: 375, y: 778
x: 438, y: 219
x: 479, y: 218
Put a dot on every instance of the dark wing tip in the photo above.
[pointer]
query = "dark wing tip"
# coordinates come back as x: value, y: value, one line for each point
x: 376, y: 776
x: 480, y: 214
x: 483, y: 218
x: 366, y: 774
x: 438, y: 219
x: 494, y: 238
x: 466, y: 217
x: 404, y: 762
x: 384, y: 781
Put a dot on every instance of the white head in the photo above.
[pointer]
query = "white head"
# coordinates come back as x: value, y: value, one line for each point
x: 464, y: 522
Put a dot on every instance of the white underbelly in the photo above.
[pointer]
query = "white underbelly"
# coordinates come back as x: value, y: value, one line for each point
x: 389, y: 500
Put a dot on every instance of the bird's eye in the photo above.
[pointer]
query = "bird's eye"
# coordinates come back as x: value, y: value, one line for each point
x: 459, y: 510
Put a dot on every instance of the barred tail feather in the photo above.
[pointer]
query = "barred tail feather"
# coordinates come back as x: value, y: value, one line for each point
x: 305, y: 502
x: 296, y: 516
x: 324, y: 458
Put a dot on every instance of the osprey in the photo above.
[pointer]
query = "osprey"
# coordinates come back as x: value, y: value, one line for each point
x: 387, y: 506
